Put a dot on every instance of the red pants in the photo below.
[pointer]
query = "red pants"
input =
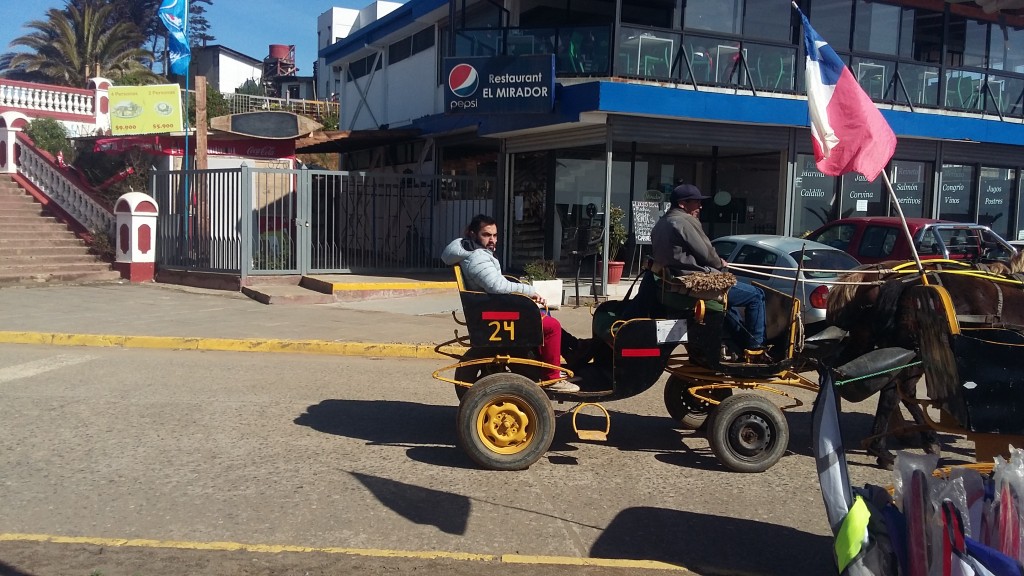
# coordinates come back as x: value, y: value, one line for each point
x: 551, y: 350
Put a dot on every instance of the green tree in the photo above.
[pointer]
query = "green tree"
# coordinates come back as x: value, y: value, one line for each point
x: 198, y: 26
x: 72, y: 45
x: 216, y: 105
x: 143, y: 15
x: 250, y: 87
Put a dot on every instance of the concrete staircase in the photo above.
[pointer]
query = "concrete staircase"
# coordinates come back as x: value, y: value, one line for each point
x: 35, y: 248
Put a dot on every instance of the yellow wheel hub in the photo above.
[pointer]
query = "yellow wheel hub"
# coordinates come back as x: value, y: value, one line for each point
x: 505, y: 425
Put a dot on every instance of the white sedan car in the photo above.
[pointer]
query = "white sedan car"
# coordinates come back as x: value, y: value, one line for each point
x: 821, y: 263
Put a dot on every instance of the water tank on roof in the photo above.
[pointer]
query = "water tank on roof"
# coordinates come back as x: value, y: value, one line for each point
x: 280, y: 51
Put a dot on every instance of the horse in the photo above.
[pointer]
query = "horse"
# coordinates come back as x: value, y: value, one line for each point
x: 872, y: 305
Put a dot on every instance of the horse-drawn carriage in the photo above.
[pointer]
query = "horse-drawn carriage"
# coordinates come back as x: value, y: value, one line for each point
x: 965, y: 326
x: 506, y: 418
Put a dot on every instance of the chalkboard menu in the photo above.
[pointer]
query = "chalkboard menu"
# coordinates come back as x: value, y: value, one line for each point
x: 645, y: 215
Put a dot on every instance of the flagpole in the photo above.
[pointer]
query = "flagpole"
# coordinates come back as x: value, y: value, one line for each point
x: 184, y: 165
x: 188, y: 191
x: 903, y: 224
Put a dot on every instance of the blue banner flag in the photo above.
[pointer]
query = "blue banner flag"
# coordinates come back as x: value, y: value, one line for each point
x: 174, y: 14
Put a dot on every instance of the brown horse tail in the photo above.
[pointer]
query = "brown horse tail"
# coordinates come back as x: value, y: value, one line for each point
x: 841, y: 295
x: 886, y: 305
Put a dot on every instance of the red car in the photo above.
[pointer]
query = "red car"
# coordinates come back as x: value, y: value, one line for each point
x: 878, y: 238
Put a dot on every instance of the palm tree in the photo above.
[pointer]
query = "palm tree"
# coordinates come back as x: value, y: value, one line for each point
x: 75, y: 44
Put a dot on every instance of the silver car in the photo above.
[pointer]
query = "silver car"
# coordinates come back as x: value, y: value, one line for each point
x: 782, y: 253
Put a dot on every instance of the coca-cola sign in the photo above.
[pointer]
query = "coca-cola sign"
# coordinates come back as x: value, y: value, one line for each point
x: 265, y: 151
x: 176, y: 146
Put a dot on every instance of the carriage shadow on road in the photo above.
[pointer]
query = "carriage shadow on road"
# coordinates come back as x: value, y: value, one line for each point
x: 713, y: 545
x: 427, y: 431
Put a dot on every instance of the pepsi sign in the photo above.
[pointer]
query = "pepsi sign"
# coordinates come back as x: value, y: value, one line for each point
x: 500, y: 84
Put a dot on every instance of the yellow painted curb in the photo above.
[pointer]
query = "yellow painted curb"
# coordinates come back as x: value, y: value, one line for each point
x: 374, y: 349
x: 371, y: 552
x: 352, y: 286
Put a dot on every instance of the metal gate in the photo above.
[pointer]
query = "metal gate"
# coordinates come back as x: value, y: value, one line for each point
x: 257, y: 221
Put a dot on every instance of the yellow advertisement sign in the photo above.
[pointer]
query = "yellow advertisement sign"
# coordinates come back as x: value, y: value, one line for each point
x: 145, y: 109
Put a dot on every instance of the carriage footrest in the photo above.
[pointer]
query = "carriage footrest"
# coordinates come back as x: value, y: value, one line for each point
x: 592, y: 435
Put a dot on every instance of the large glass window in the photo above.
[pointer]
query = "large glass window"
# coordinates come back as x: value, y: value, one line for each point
x: 863, y: 198
x: 649, y: 12
x: 876, y: 28
x: 921, y: 82
x: 714, y: 15
x: 717, y: 61
x: 967, y: 42
x: 814, y: 196
x: 832, y: 21
x: 1006, y: 49
x: 910, y: 182
x: 994, y: 198
x: 874, y: 76
x: 646, y: 53
x: 956, y: 193
x: 921, y: 36
x: 768, y: 19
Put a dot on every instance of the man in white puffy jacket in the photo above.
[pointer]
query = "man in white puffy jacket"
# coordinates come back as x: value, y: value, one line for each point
x: 481, y: 271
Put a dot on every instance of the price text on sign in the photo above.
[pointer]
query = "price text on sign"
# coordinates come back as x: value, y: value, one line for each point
x: 145, y: 109
x: 645, y: 215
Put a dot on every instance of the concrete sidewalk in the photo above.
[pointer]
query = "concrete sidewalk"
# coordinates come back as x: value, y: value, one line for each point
x: 177, y: 317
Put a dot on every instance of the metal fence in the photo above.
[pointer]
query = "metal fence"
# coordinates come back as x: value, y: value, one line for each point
x: 253, y: 221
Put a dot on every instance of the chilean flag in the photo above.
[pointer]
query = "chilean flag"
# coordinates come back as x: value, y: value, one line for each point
x: 849, y: 133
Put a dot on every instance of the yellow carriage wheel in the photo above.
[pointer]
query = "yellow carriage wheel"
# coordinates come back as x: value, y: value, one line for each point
x: 505, y: 422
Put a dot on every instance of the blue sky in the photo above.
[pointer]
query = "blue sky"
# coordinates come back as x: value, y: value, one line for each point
x: 248, y: 26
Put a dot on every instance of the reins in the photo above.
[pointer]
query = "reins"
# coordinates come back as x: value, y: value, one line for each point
x: 907, y: 268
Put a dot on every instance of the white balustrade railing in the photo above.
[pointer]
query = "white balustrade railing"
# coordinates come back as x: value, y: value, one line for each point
x: 46, y: 98
x: 74, y: 200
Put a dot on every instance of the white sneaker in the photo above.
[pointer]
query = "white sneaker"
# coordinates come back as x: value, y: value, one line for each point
x: 563, y: 386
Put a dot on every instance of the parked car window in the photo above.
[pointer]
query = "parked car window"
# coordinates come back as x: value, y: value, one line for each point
x: 877, y: 241
x: 838, y: 236
x: 724, y: 248
x: 930, y: 243
x: 963, y: 243
x: 756, y: 256
x: 825, y: 260
x: 995, y: 246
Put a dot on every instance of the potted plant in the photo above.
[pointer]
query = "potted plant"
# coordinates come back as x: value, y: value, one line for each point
x: 543, y: 276
x: 616, y: 240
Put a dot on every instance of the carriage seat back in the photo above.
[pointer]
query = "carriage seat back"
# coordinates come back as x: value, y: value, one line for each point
x: 639, y: 347
x: 499, y: 320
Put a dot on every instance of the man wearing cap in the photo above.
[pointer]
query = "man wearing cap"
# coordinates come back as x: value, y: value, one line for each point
x: 679, y: 245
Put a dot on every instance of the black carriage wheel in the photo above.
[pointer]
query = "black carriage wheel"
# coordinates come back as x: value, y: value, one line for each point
x: 690, y: 412
x: 748, y: 433
x: 505, y: 422
x: 477, y: 371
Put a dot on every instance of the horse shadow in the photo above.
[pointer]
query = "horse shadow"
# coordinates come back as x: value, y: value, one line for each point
x: 712, y: 544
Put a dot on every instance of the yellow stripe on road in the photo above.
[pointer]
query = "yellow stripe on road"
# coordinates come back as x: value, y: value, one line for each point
x: 369, y: 349
x: 370, y: 552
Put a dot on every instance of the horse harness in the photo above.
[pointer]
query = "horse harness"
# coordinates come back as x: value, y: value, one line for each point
x: 988, y: 320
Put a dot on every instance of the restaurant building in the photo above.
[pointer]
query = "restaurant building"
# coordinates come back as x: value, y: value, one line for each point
x: 649, y: 93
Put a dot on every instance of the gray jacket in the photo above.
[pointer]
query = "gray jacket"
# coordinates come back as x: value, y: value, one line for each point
x: 679, y: 243
x: 480, y: 269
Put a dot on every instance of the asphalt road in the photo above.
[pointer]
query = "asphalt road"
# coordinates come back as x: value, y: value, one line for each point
x: 357, y: 457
